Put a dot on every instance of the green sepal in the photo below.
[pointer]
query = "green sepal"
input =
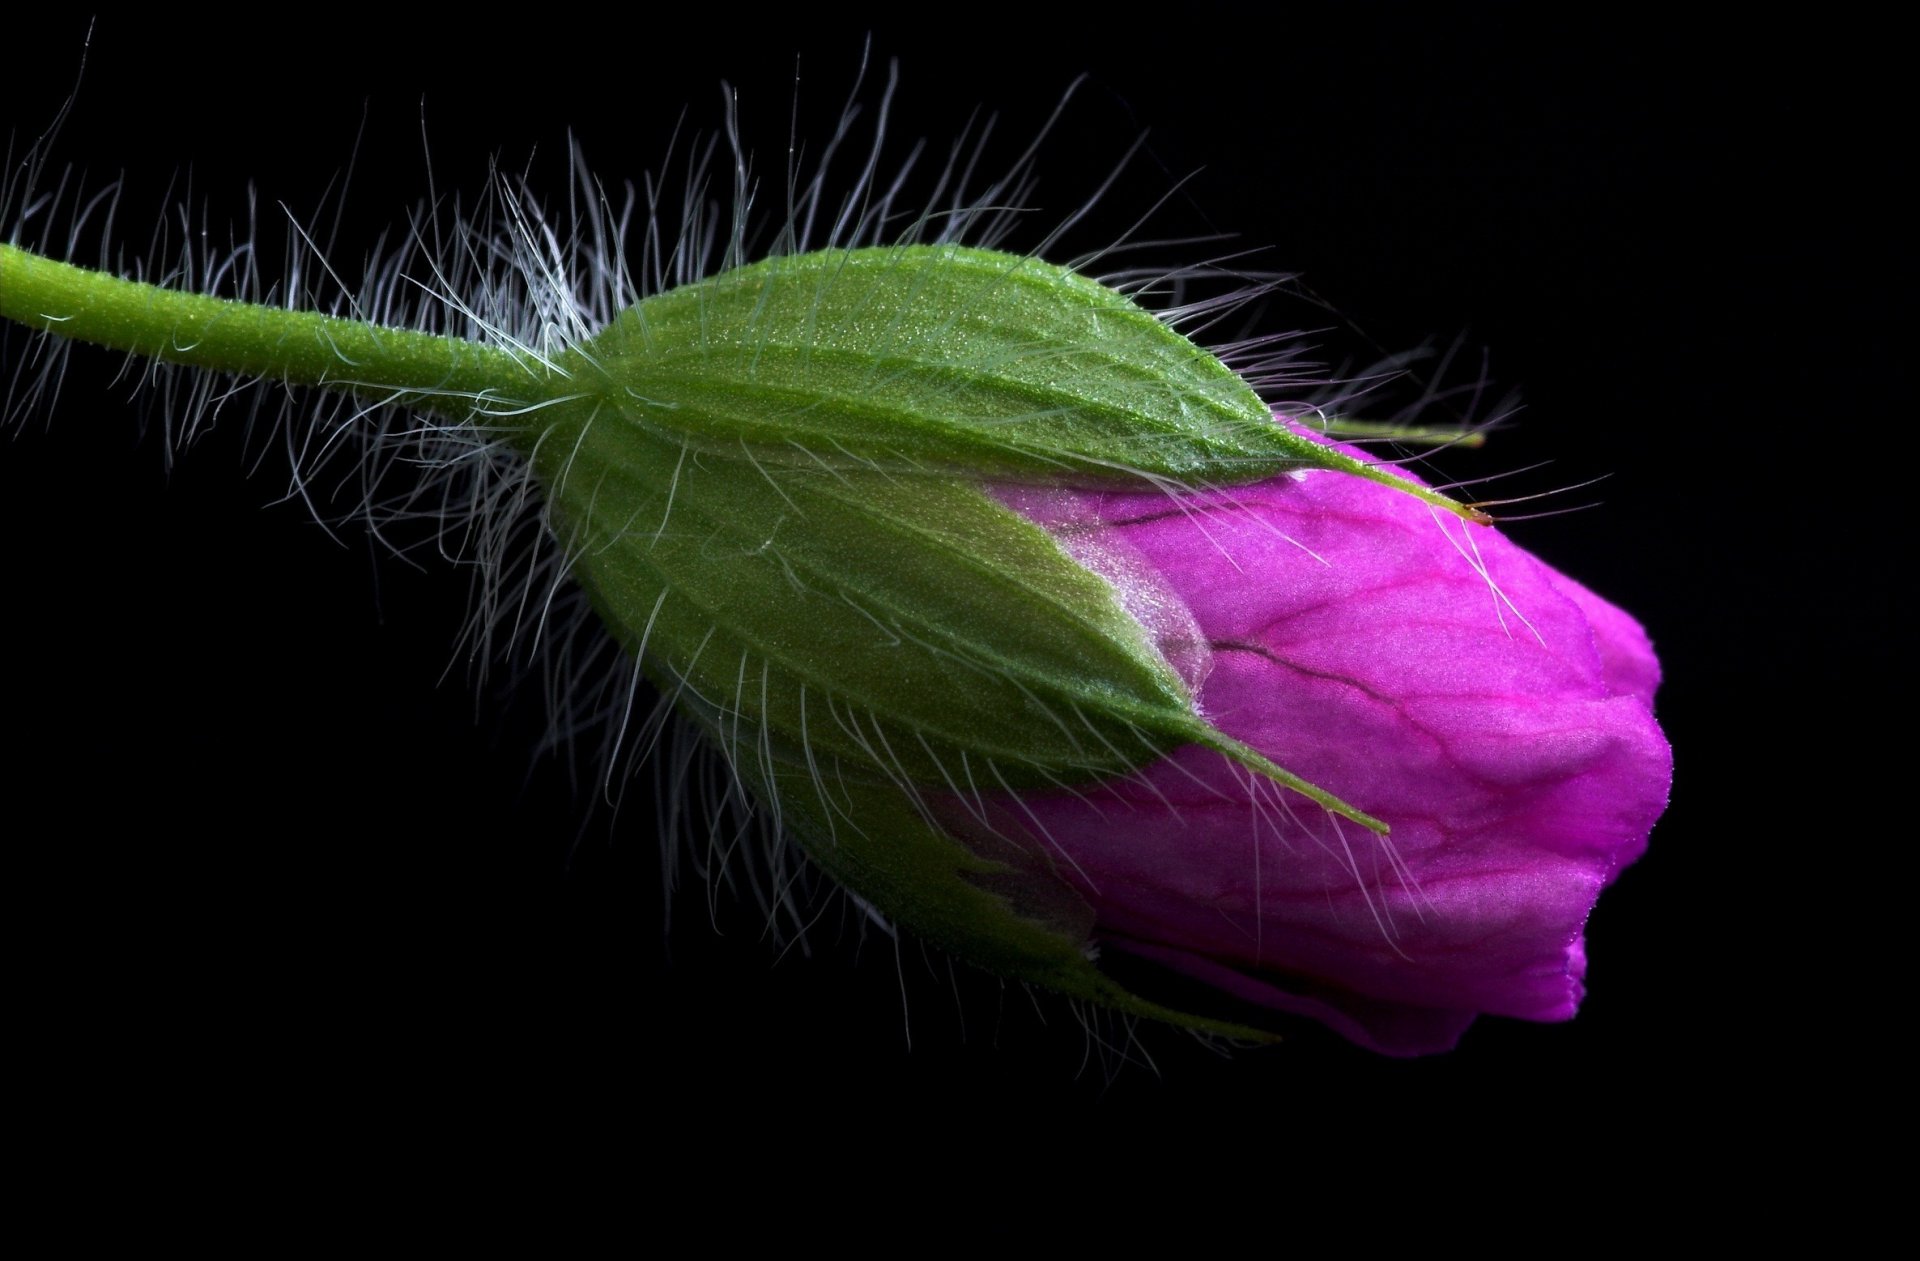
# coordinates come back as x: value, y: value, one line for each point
x: 943, y: 359
x: 1009, y: 917
x: 915, y: 627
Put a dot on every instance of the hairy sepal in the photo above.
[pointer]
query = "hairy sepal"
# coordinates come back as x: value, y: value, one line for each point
x: 1005, y: 914
x: 912, y: 631
x: 905, y: 630
x: 939, y: 359
x: 775, y: 487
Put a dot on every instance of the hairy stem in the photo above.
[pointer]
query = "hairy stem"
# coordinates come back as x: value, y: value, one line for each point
x: 445, y: 375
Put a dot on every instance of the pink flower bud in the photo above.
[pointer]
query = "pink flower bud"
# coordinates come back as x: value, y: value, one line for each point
x: 1493, y: 712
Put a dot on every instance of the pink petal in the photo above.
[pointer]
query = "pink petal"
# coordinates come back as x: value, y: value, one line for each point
x: 1493, y: 712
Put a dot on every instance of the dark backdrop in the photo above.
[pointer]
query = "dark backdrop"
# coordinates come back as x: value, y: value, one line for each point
x: 274, y: 854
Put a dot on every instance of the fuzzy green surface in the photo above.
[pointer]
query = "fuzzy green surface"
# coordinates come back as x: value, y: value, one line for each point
x: 942, y: 357
x: 299, y: 347
x: 914, y: 628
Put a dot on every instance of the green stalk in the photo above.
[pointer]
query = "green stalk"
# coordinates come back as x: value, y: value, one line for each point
x: 445, y: 375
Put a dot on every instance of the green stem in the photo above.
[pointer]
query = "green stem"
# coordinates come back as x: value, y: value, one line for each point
x: 445, y: 375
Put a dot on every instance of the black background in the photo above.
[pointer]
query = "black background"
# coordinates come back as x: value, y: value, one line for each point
x: 273, y: 856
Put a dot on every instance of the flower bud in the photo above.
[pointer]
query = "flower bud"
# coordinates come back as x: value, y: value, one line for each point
x: 773, y: 485
x: 1045, y: 639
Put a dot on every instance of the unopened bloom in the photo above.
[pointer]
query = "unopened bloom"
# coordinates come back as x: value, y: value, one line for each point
x: 1493, y: 712
x: 923, y: 541
x: 1023, y: 617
